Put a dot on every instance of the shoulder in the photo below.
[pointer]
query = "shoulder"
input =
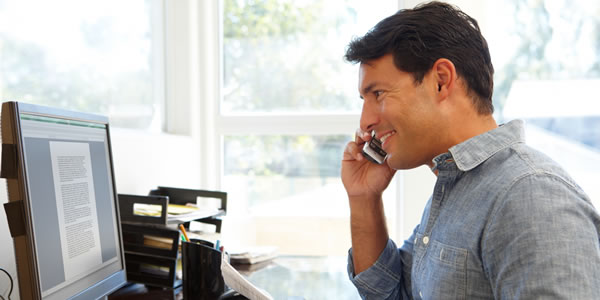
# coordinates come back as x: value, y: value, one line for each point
x: 534, y: 183
x: 539, y: 198
x: 542, y: 223
x: 536, y: 197
x: 520, y: 164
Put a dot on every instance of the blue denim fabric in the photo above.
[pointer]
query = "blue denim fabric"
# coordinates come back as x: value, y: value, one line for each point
x: 504, y: 222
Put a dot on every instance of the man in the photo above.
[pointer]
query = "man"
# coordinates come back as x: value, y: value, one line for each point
x: 504, y: 221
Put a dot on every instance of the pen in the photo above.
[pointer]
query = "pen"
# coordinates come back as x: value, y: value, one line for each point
x: 184, y: 233
x: 218, y: 245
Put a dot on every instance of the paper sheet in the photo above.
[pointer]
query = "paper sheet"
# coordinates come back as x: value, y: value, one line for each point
x: 76, y: 207
x: 236, y: 281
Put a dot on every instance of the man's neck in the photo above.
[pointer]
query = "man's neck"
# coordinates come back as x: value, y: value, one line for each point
x: 462, y: 129
x: 466, y: 128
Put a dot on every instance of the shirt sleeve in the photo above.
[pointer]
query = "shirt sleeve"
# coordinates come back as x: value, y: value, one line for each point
x: 543, y: 241
x: 388, y: 277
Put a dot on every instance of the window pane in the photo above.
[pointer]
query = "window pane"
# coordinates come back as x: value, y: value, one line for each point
x: 547, y: 60
x: 287, y: 56
x: 93, y: 56
x: 286, y: 175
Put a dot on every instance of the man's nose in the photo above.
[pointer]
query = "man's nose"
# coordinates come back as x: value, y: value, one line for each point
x: 369, y: 116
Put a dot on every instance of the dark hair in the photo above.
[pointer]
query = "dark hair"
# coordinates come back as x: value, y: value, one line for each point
x: 420, y: 36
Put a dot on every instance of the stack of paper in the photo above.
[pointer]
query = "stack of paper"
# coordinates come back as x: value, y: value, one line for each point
x: 177, y: 209
x: 253, y: 255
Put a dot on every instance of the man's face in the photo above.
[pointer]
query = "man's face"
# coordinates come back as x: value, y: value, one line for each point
x: 401, y: 112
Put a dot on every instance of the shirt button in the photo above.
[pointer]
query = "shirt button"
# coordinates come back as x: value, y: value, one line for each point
x: 425, y: 240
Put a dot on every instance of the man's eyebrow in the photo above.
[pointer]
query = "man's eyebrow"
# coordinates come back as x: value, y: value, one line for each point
x: 368, y: 89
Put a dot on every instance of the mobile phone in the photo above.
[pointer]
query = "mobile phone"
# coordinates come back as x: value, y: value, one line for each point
x: 373, y: 151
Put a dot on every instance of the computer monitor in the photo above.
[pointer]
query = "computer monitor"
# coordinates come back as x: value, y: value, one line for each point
x: 62, y: 209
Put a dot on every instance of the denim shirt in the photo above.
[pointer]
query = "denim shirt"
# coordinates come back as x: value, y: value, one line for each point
x: 504, y: 222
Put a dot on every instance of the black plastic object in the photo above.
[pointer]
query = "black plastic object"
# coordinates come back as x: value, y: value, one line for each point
x: 202, y: 278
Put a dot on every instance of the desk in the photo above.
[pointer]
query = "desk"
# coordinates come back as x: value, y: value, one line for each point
x: 293, y: 277
x: 309, y: 277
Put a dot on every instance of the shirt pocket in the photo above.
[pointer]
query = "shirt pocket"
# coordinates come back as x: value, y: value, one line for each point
x: 444, y: 273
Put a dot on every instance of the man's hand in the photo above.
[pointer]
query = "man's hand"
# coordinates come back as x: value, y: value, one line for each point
x: 360, y: 176
x: 364, y: 182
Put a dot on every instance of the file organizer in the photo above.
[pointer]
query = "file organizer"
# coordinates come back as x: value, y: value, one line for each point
x: 183, y: 196
x: 155, y: 263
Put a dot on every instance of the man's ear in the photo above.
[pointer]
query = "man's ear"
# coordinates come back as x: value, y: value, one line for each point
x: 444, y: 76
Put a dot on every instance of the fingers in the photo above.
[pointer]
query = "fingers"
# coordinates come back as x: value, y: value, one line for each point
x: 353, y: 152
x: 360, y: 137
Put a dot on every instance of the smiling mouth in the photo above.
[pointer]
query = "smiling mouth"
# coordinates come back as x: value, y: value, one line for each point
x: 383, y: 138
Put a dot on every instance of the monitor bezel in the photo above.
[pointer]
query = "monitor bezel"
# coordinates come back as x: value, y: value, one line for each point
x: 27, y: 264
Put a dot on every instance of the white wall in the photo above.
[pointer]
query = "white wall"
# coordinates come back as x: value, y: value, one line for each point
x: 143, y: 161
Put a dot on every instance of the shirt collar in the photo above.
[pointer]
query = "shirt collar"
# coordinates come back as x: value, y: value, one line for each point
x: 474, y: 151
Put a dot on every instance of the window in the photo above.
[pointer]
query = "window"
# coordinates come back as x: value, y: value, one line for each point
x: 286, y: 56
x: 100, y: 56
x: 289, y: 104
x: 279, y: 172
x: 547, y: 60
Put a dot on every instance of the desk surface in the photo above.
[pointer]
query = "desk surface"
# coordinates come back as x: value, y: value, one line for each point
x: 305, y: 277
x: 289, y: 278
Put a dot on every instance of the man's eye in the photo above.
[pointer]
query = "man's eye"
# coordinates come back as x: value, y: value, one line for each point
x: 377, y: 94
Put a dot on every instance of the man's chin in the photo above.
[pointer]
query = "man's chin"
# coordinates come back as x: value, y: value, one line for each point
x: 392, y: 163
x: 400, y: 164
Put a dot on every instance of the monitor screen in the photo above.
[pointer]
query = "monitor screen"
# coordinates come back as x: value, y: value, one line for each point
x: 72, y: 225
